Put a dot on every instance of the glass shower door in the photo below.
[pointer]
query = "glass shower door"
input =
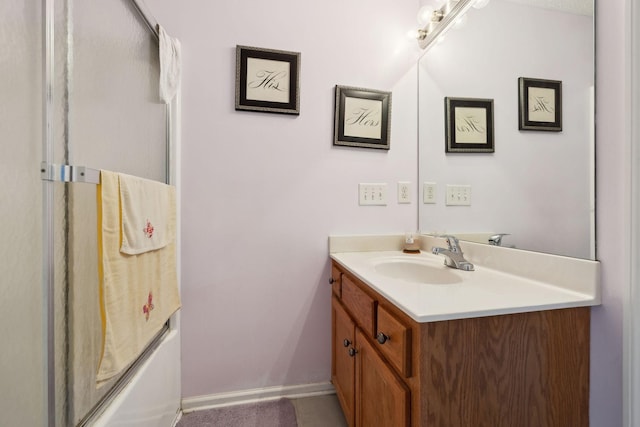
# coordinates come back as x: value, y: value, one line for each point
x: 21, y: 299
x: 103, y: 111
x: 115, y: 121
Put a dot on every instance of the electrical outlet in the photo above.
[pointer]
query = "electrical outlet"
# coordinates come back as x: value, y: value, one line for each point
x: 372, y: 194
x: 458, y: 195
x: 404, y: 192
x: 429, y: 192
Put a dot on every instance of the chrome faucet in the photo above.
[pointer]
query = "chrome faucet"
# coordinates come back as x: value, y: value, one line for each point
x: 453, y: 256
x: 496, y: 239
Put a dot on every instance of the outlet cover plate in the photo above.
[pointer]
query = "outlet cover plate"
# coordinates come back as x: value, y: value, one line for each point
x: 404, y: 192
x: 429, y: 192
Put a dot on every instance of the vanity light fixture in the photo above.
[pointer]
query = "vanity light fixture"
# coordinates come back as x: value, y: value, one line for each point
x: 441, y: 19
x: 479, y: 4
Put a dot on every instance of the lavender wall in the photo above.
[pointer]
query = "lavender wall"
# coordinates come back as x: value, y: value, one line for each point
x: 612, y: 211
x: 262, y: 192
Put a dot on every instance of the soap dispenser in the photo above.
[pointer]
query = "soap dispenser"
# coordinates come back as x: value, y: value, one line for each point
x: 411, y: 243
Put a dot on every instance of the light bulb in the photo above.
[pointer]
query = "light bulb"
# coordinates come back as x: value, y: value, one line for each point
x: 460, y: 22
x: 424, y: 15
x: 413, y: 34
x: 479, y: 4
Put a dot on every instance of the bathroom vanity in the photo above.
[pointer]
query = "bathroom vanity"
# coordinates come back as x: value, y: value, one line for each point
x: 401, y: 360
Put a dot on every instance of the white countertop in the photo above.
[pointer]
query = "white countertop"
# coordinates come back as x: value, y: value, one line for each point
x: 482, y: 292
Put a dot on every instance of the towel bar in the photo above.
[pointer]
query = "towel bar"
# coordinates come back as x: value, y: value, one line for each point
x: 69, y: 173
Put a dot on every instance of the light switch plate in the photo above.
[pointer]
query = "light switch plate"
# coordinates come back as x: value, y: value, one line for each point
x: 458, y: 195
x: 372, y: 194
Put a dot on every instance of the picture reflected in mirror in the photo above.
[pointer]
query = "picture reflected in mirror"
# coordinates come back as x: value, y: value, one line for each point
x: 536, y: 186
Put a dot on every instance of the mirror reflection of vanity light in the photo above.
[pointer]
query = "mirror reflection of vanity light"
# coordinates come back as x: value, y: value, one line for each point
x: 441, y: 19
x: 460, y: 22
x: 479, y: 4
x: 424, y: 15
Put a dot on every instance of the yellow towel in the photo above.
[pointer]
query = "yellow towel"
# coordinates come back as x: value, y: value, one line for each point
x: 138, y: 293
x: 145, y: 207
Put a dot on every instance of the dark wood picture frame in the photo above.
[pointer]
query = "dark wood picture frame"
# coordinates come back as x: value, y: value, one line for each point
x: 468, y: 125
x: 267, y: 80
x: 539, y: 104
x: 362, y: 118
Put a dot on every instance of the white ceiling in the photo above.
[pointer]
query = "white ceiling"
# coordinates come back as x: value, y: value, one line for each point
x: 580, y: 7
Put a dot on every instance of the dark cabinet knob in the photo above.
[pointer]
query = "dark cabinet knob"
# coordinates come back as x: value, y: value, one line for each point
x: 352, y: 351
x: 382, y: 338
x: 346, y: 343
x: 331, y: 280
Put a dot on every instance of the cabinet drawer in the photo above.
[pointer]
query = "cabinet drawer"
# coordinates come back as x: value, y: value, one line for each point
x: 360, y: 304
x: 393, y: 339
x: 336, y: 281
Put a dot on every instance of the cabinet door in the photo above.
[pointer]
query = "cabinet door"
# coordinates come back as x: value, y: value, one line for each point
x: 383, y: 399
x: 336, y: 281
x: 343, y: 359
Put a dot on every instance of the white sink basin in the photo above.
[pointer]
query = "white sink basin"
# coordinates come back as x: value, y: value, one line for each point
x: 416, y: 270
x: 503, y: 282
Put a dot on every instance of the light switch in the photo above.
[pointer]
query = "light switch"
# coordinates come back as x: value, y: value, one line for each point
x: 372, y: 194
x: 458, y: 195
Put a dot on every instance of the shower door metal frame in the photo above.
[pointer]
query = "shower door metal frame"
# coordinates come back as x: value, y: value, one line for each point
x: 52, y: 173
x: 47, y: 218
x: 631, y: 317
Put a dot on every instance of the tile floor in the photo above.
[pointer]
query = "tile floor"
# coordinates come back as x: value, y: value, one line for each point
x: 319, y: 411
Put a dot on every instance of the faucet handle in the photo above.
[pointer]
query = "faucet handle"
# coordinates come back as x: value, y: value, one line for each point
x: 452, y: 242
x: 496, y: 239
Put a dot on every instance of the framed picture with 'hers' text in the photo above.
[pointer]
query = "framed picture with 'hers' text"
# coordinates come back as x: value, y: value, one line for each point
x: 362, y: 117
x: 267, y: 80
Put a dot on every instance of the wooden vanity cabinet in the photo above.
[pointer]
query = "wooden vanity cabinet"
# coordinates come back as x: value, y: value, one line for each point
x: 343, y: 360
x: 369, y: 391
x: 522, y: 369
x: 382, y: 397
x: 336, y: 281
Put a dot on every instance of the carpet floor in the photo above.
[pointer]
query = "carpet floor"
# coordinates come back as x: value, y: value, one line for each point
x: 318, y: 411
x: 278, y: 413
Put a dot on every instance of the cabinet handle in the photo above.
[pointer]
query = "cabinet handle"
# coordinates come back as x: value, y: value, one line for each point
x: 352, y: 351
x: 382, y: 338
x: 346, y: 343
x: 332, y: 280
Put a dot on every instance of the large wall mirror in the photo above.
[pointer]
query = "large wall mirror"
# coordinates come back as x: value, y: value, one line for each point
x: 537, y: 185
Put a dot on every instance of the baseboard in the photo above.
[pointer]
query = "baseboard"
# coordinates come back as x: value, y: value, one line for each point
x: 177, y: 418
x: 199, y: 403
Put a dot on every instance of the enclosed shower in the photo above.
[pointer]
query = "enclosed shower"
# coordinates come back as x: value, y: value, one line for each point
x: 80, y: 94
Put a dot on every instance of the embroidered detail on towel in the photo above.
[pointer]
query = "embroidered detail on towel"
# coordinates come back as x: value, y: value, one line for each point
x: 145, y: 210
x: 146, y: 309
x: 148, y: 229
